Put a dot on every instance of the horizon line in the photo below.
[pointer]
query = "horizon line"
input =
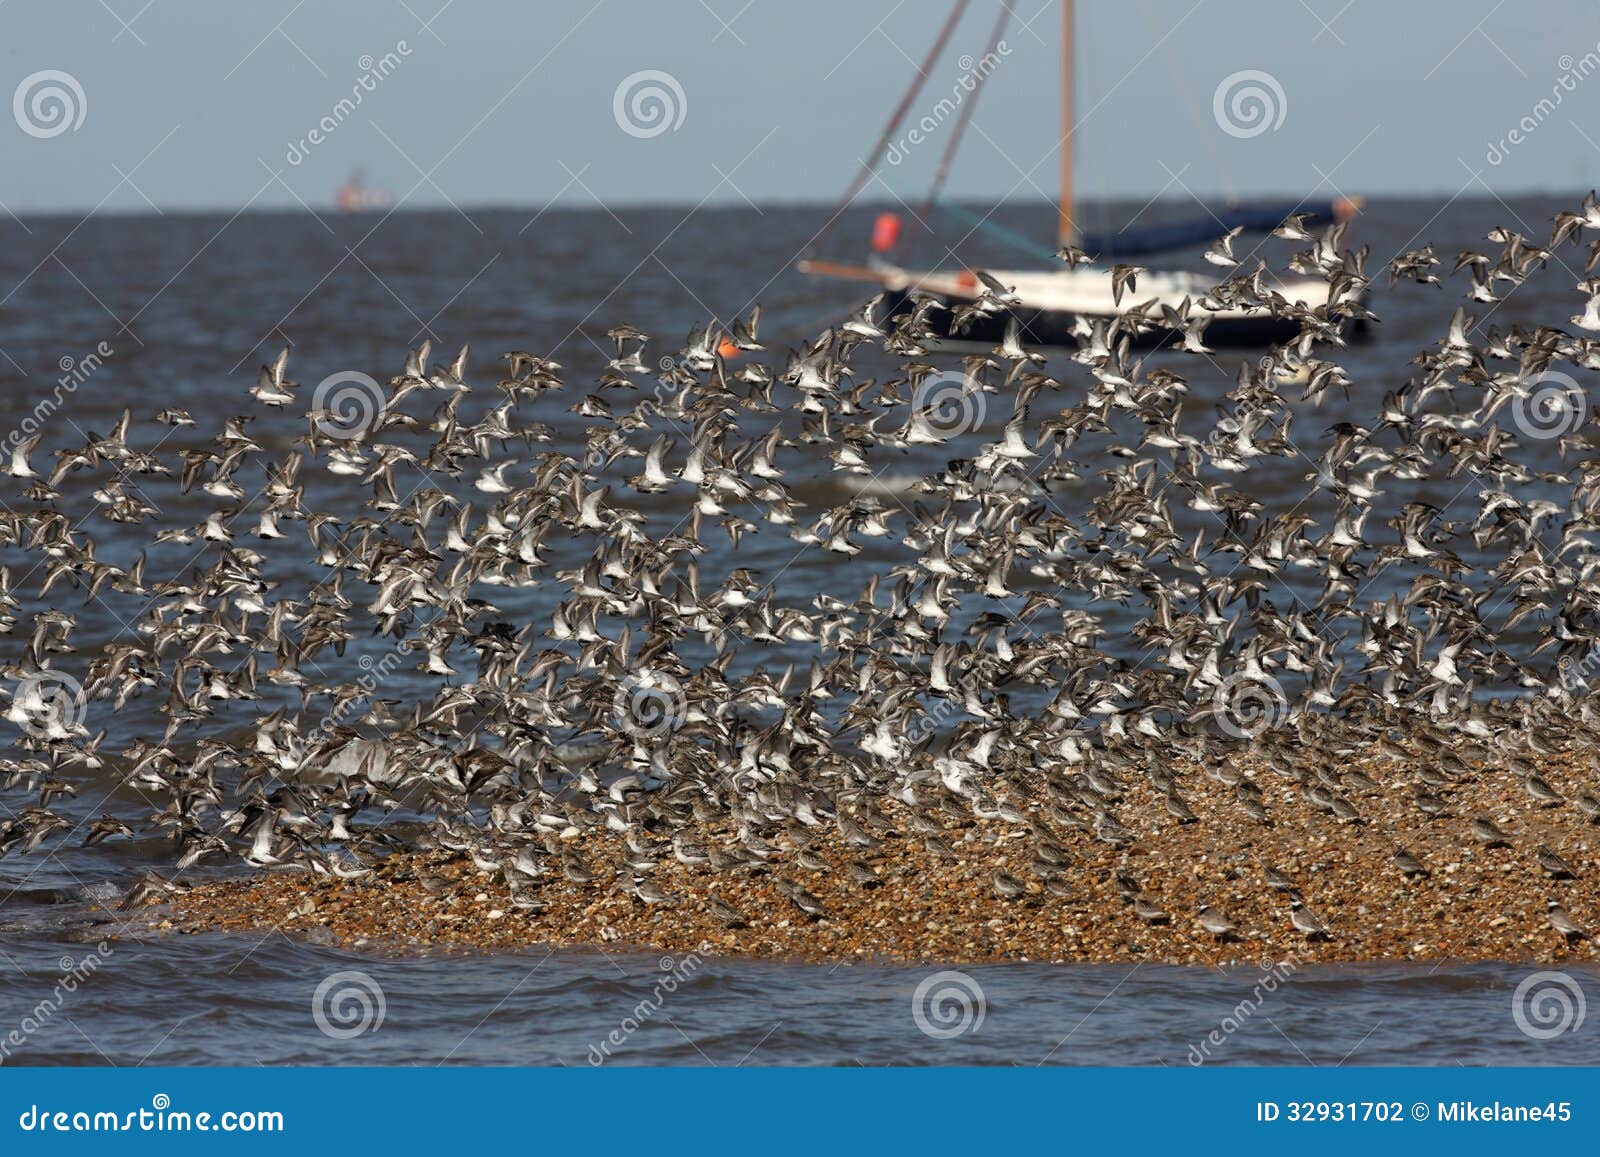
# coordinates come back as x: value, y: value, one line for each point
x: 737, y: 205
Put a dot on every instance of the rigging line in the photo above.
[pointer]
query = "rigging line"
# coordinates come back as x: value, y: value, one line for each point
x: 1018, y: 241
x: 1201, y: 124
x: 870, y: 164
x: 965, y: 114
x: 1083, y: 132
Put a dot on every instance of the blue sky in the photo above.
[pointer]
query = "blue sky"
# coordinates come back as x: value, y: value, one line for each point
x: 209, y: 103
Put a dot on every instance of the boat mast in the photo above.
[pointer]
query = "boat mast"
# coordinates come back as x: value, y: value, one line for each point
x: 1064, y: 227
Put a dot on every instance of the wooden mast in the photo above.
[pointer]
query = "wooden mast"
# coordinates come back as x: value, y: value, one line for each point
x: 1064, y: 227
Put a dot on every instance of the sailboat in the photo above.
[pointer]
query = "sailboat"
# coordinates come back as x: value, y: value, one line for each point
x: 1051, y: 306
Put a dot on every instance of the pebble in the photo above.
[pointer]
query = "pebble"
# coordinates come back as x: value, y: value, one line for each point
x: 926, y: 909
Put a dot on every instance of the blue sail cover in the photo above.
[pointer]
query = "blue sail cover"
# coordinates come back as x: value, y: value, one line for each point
x: 1259, y: 218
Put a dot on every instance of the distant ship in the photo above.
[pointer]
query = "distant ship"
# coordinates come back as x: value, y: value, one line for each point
x: 354, y: 196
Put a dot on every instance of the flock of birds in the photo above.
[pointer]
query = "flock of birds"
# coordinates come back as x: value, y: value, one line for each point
x: 660, y: 692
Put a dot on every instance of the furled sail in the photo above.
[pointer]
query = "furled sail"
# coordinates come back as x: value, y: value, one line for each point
x: 1253, y: 218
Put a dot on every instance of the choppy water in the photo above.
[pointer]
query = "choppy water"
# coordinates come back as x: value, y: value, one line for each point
x: 188, y: 306
x: 220, y: 999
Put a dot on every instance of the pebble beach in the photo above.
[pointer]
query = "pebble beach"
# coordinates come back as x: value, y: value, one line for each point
x: 1475, y: 902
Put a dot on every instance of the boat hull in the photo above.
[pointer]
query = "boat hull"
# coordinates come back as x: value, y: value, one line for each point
x: 1053, y: 328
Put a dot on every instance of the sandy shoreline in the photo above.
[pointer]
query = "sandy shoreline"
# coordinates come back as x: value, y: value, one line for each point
x: 943, y: 903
